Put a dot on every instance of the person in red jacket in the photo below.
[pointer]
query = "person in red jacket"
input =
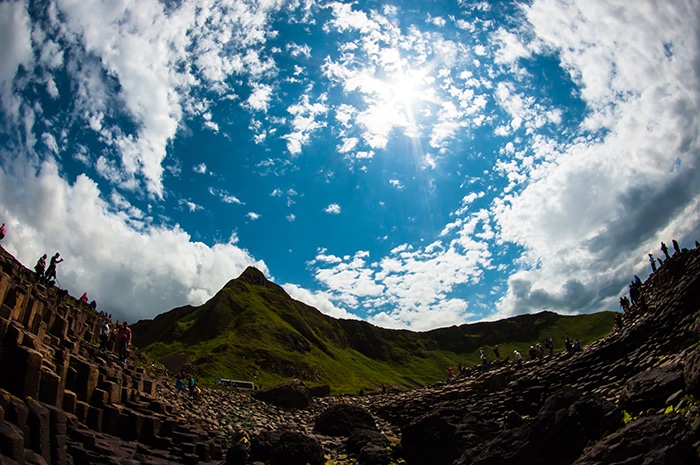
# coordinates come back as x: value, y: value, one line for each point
x: 124, y: 341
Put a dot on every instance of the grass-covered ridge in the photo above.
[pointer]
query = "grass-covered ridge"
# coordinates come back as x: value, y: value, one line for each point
x: 252, y: 330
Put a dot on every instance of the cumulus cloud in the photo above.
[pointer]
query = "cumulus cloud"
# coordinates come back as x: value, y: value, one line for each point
x: 131, y: 267
x: 605, y: 203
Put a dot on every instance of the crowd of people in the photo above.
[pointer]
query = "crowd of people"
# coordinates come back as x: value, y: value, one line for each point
x: 635, y: 302
x: 120, y: 333
x: 537, y: 351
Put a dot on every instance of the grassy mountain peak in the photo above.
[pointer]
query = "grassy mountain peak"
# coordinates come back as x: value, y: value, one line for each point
x: 253, y: 330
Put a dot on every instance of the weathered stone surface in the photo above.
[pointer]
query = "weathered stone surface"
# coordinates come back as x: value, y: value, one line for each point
x: 12, y: 442
x: 285, y: 447
x: 651, y: 388
x: 292, y: 394
x: 343, y: 420
x: 39, y: 429
x: 666, y: 439
x: 320, y: 391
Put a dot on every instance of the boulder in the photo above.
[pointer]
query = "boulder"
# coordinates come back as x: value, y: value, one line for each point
x: 285, y: 447
x: 360, y: 438
x: 292, y: 394
x: 343, y: 420
x: 650, y: 389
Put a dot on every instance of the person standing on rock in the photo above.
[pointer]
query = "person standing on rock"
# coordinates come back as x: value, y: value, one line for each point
x: 124, y: 341
x: 518, y: 358
x: 664, y: 249
x: 40, y: 267
x: 652, y: 262
x: 51, y: 270
x: 676, y: 247
x: 104, y: 335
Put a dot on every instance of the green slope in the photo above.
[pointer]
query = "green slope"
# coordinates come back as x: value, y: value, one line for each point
x: 252, y: 330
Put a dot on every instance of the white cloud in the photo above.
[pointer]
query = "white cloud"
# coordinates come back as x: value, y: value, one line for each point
x: 191, y: 206
x: 131, y: 267
x: 201, y: 168
x: 259, y: 99
x: 588, y: 217
x: 16, y: 50
x: 253, y: 216
x: 320, y: 301
x: 332, y: 209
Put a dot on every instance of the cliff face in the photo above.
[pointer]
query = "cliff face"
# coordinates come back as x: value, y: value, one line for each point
x: 63, y: 401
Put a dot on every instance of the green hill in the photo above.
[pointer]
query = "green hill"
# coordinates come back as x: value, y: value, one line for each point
x: 253, y: 330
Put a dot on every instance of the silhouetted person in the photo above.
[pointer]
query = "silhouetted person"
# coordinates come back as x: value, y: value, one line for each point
x: 51, y: 270
x: 664, y: 249
x: 676, y: 247
x: 625, y: 304
x: 637, y: 280
x: 3, y: 231
x: 40, y: 268
x: 652, y: 262
x: 497, y: 352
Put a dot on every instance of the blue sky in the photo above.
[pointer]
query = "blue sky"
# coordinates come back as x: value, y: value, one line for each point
x: 413, y: 164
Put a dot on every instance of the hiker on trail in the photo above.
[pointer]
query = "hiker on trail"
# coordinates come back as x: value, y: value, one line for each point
x: 518, y: 358
x: 569, y: 345
x: 104, y: 335
x: 3, y: 231
x: 93, y: 305
x: 637, y: 280
x: 84, y: 298
x: 652, y: 262
x: 40, y: 267
x: 676, y: 247
x: 664, y: 249
x: 124, y: 341
x: 51, y: 270
x: 497, y: 352
x: 450, y: 374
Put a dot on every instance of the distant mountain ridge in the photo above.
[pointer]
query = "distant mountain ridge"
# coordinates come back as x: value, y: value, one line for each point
x: 253, y: 330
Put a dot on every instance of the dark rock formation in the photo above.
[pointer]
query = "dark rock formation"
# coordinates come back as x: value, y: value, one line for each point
x: 292, y: 394
x: 651, y: 388
x: 62, y: 401
x: 285, y: 447
x: 343, y: 420
x: 625, y: 399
